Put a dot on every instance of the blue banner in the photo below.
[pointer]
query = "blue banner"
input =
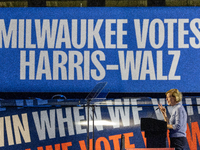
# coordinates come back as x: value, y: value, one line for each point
x: 72, y: 49
x: 56, y: 124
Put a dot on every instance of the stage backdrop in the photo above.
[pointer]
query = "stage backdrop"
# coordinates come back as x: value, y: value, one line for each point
x: 71, y: 49
x: 35, y: 124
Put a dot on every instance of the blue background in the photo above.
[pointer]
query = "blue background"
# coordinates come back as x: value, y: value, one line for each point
x: 188, y: 66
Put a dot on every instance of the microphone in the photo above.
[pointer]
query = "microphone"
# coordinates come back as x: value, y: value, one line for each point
x: 154, y: 111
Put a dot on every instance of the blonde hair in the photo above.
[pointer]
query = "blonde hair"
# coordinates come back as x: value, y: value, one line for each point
x: 175, y: 93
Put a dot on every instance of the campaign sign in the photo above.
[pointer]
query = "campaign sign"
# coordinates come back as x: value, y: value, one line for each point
x: 134, y: 49
x: 35, y: 124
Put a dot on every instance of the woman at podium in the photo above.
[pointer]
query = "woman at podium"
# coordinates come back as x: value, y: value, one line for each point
x: 177, y: 123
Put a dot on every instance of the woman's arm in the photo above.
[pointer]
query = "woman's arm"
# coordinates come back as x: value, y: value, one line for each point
x: 163, y: 110
x: 169, y: 126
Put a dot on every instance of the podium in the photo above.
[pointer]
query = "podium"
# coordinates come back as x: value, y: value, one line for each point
x: 155, y: 132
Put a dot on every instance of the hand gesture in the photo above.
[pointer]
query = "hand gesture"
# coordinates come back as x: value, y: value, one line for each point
x: 162, y: 109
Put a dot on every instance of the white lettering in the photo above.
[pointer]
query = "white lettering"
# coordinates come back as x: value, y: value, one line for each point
x: 6, y: 36
x: 174, y: 65
x: 196, y: 33
x: 18, y: 128
x: 147, y: 66
x: 24, y: 64
x: 170, y: 25
x: 182, y: 32
x: 45, y: 32
x: 101, y: 74
x: 130, y: 63
x: 152, y: 33
x: 45, y: 123
x: 43, y: 66
x: 109, y: 33
x: 141, y: 35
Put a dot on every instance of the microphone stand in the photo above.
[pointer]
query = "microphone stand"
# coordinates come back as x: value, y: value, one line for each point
x: 88, y: 124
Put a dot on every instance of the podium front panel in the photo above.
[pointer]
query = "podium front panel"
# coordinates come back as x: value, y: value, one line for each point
x: 150, y: 149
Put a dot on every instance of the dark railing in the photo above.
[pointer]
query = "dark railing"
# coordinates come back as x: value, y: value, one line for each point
x: 97, y: 3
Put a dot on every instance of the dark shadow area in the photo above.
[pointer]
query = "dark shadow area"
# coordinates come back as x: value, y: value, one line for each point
x: 79, y: 95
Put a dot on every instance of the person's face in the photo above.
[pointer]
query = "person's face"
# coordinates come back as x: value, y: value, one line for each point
x: 170, y: 99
